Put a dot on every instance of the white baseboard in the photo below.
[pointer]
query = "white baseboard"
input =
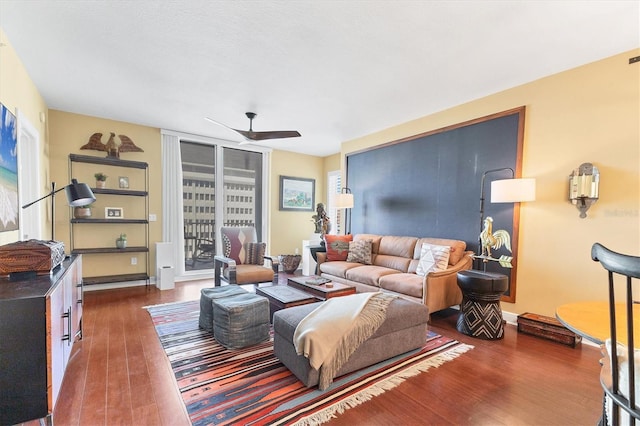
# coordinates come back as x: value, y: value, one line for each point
x: 510, y: 318
x: 110, y: 286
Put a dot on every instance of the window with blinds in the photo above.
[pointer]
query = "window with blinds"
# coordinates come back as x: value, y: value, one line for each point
x: 336, y: 216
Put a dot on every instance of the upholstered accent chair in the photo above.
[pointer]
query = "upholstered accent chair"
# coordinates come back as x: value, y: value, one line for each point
x: 243, y: 259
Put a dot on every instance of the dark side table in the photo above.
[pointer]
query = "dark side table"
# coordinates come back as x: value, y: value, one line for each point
x: 315, y: 249
x: 480, y: 312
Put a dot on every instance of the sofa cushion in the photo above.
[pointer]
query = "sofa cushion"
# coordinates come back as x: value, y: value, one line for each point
x: 458, y: 248
x: 368, y: 274
x: 401, y: 264
x: 338, y: 268
x: 404, y: 283
x: 337, y: 246
x: 397, y: 246
x: 433, y: 258
x: 360, y: 251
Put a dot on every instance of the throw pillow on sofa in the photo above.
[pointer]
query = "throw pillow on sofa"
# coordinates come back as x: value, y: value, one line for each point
x: 337, y: 246
x: 433, y: 258
x: 360, y: 252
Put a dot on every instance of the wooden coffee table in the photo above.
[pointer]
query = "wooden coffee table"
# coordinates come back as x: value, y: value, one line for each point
x: 282, y: 296
x: 322, y: 291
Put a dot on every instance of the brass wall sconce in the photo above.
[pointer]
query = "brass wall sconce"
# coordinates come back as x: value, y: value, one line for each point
x: 583, y: 187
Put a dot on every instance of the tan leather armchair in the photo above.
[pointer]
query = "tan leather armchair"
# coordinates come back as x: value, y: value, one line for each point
x: 243, y: 260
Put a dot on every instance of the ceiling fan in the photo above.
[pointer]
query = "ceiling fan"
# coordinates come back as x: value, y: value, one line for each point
x: 250, y: 135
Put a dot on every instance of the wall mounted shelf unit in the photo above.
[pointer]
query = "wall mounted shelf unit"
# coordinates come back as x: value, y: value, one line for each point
x: 113, y: 196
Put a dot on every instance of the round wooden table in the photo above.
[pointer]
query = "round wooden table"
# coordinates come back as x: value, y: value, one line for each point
x: 591, y: 321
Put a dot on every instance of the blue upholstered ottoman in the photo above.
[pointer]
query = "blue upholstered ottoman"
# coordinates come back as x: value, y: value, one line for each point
x: 403, y: 330
x: 240, y: 321
x: 207, y: 295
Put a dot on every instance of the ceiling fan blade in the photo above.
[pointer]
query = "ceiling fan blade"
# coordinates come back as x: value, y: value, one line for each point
x: 276, y: 134
x: 224, y: 125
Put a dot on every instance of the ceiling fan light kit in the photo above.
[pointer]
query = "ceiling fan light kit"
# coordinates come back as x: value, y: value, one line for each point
x: 250, y: 135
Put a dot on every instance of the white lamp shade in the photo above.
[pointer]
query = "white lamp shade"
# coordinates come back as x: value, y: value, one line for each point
x: 344, y: 201
x: 513, y: 190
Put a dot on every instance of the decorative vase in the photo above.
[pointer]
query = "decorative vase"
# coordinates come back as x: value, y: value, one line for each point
x: 289, y: 262
x: 81, y: 212
x: 101, y: 183
x: 121, y: 244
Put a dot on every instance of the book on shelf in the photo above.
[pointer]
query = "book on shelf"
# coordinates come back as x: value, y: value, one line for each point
x: 317, y: 280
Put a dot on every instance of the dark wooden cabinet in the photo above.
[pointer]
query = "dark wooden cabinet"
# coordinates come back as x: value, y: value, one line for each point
x: 40, y: 318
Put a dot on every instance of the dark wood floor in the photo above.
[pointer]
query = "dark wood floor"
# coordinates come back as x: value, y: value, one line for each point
x: 119, y: 375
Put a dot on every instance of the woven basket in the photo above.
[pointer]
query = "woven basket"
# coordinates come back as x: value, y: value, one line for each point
x: 289, y: 262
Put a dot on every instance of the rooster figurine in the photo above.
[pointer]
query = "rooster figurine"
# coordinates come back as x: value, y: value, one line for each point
x: 493, y: 240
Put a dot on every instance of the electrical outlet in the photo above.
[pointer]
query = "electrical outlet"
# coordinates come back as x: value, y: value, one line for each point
x: 134, y: 260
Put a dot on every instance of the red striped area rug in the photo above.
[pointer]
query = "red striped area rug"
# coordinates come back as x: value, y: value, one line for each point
x: 250, y: 386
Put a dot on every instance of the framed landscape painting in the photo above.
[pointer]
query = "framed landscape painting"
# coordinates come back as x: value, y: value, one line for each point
x: 297, y: 194
x: 9, y: 205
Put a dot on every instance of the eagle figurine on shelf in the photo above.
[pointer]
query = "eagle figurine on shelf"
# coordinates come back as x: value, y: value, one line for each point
x: 112, y: 149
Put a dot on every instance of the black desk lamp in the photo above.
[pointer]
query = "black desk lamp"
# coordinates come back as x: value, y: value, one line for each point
x: 78, y: 194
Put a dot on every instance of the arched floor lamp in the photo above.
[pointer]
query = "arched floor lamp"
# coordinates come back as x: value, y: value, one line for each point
x: 78, y: 194
x: 510, y: 190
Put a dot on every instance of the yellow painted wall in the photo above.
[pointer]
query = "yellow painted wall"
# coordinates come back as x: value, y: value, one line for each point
x: 17, y: 92
x: 588, y: 114
x: 332, y: 163
x: 68, y: 132
x: 289, y: 228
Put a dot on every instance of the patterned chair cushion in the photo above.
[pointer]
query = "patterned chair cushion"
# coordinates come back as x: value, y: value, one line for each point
x: 234, y: 240
x: 254, y: 253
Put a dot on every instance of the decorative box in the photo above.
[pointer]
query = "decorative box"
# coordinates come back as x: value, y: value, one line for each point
x: 547, y: 328
x: 31, y: 256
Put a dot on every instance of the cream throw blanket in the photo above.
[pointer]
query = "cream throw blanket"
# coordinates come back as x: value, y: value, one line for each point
x: 334, y: 330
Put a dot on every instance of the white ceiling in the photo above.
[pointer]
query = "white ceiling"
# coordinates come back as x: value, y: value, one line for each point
x: 333, y: 70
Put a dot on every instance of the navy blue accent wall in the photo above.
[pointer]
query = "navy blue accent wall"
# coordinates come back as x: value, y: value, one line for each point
x: 430, y: 186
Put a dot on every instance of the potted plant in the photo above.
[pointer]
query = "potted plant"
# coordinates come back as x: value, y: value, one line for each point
x: 82, y: 212
x: 101, y: 180
x: 121, y: 242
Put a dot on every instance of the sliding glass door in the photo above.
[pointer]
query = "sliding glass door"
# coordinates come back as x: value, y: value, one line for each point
x: 214, y: 176
x: 198, y: 204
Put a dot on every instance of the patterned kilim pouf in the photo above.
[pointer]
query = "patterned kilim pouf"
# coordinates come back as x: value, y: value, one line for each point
x: 240, y: 321
x: 207, y: 295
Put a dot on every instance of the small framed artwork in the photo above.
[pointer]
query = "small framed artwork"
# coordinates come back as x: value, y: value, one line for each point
x: 113, y: 213
x: 297, y: 194
x: 123, y: 182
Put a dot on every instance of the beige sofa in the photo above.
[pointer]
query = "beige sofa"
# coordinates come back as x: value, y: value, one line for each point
x: 393, y: 270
